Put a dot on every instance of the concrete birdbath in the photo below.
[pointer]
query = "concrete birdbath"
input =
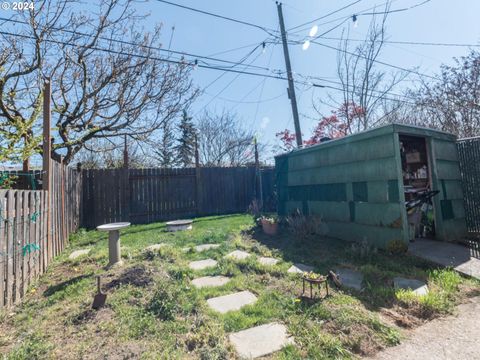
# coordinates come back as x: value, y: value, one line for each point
x: 179, y: 225
x: 114, y: 257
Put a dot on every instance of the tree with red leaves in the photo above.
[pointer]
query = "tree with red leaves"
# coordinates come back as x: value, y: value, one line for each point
x: 340, y: 123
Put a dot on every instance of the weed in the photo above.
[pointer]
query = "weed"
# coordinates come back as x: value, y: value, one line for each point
x: 164, y: 303
x: 32, y: 347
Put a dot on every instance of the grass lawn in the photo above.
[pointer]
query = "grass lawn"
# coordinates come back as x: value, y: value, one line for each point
x: 153, y: 311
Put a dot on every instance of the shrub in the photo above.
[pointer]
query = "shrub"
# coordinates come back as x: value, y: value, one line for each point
x: 301, y: 225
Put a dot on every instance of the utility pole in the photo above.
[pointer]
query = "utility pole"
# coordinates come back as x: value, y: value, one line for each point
x: 291, y: 85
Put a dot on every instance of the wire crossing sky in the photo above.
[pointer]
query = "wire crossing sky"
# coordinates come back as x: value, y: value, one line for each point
x: 235, y: 51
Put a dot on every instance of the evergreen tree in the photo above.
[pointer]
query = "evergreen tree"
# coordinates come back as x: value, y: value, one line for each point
x: 166, y: 150
x: 186, y: 142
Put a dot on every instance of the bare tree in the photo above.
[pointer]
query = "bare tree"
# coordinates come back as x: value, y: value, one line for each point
x: 363, y: 84
x: 108, y: 154
x: 108, y: 78
x: 452, y: 103
x: 223, y: 141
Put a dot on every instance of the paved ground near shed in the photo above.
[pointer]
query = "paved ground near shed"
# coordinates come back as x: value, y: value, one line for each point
x: 452, y: 337
x: 447, y: 254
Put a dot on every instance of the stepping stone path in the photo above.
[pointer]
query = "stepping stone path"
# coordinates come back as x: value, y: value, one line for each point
x: 205, y: 247
x: 350, y: 278
x: 237, y: 255
x: 78, y: 253
x: 300, y: 268
x: 210, y: 281
x: 231, y: 302
x: 418, y: 287
x: 155, y: 247
x: 260, y: 340
x: 202, y: 264
x: 267, y: 261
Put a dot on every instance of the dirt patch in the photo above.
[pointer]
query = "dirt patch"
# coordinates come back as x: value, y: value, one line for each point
x: 359, y: 338
x: 401, y: 317
x: 91, y: 315
x: 138, y: 276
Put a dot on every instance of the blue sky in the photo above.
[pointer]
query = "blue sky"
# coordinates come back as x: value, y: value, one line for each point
x: 436, y: 21
x: 262, y: 104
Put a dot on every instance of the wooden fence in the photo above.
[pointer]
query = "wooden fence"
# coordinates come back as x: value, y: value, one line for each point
x: 34, y: 228
x: 147, y: 195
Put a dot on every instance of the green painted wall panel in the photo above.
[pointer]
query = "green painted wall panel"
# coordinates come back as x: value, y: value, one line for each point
x: 453, y: 230
x: 361, y: 150
x: 330, y: 211
x: 378, y: 191
x: 372, y: 170
x: 360, y: 191
x: 292, y: 206
x: 453, y: 189
x: 448, y: 170
x: 377, y: 214
x: 458, y: 208
x: 374, y: 235
x: 445, y: 150
x: 318, y: 192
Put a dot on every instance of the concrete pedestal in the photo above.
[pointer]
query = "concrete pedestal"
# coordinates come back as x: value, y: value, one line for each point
x: 114, y: 255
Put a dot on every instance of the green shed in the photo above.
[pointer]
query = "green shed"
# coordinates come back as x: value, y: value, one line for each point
x: 362, y: 184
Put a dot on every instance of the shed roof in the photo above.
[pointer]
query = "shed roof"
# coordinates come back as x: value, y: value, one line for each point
x: 382, y: 130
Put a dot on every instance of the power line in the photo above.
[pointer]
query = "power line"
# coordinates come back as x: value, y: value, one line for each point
x: 249, y: 102
x: 234, y: 63
x: 346, y: 17
x: 325, y: 16
x: 267, y: 30
x: 223, y: 89
x: 179, y: 62
x: 239, y: 72
x: 374, y: 60
x: 366, y: 13
x: 410, y: 42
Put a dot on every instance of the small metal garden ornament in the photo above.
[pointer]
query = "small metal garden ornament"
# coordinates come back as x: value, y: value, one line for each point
x: 314, y: 279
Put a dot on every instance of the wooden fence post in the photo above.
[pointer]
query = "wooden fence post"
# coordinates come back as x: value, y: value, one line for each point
x: 47, y: 151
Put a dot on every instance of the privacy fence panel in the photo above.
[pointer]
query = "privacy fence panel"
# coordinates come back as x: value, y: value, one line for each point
x: 148, y: 195
x: 469, y: 156
x: 33, y: 230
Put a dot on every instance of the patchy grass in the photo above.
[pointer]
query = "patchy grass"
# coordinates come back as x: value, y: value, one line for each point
x: 153, y: 311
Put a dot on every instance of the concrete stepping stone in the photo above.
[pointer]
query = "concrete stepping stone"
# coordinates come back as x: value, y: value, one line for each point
x: 205, y: 247
x: 268, y: 260
x: 186, y: 249
x: 202, y: 264
x: 210, y: 281
x: 416, y: 286
x: 155, y: 247
x: 350, y: 278
x: 300, y: 268
x: 260, y: 340
x: 231, y: 302
x: 78, y: 253
x: 237, y: 255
